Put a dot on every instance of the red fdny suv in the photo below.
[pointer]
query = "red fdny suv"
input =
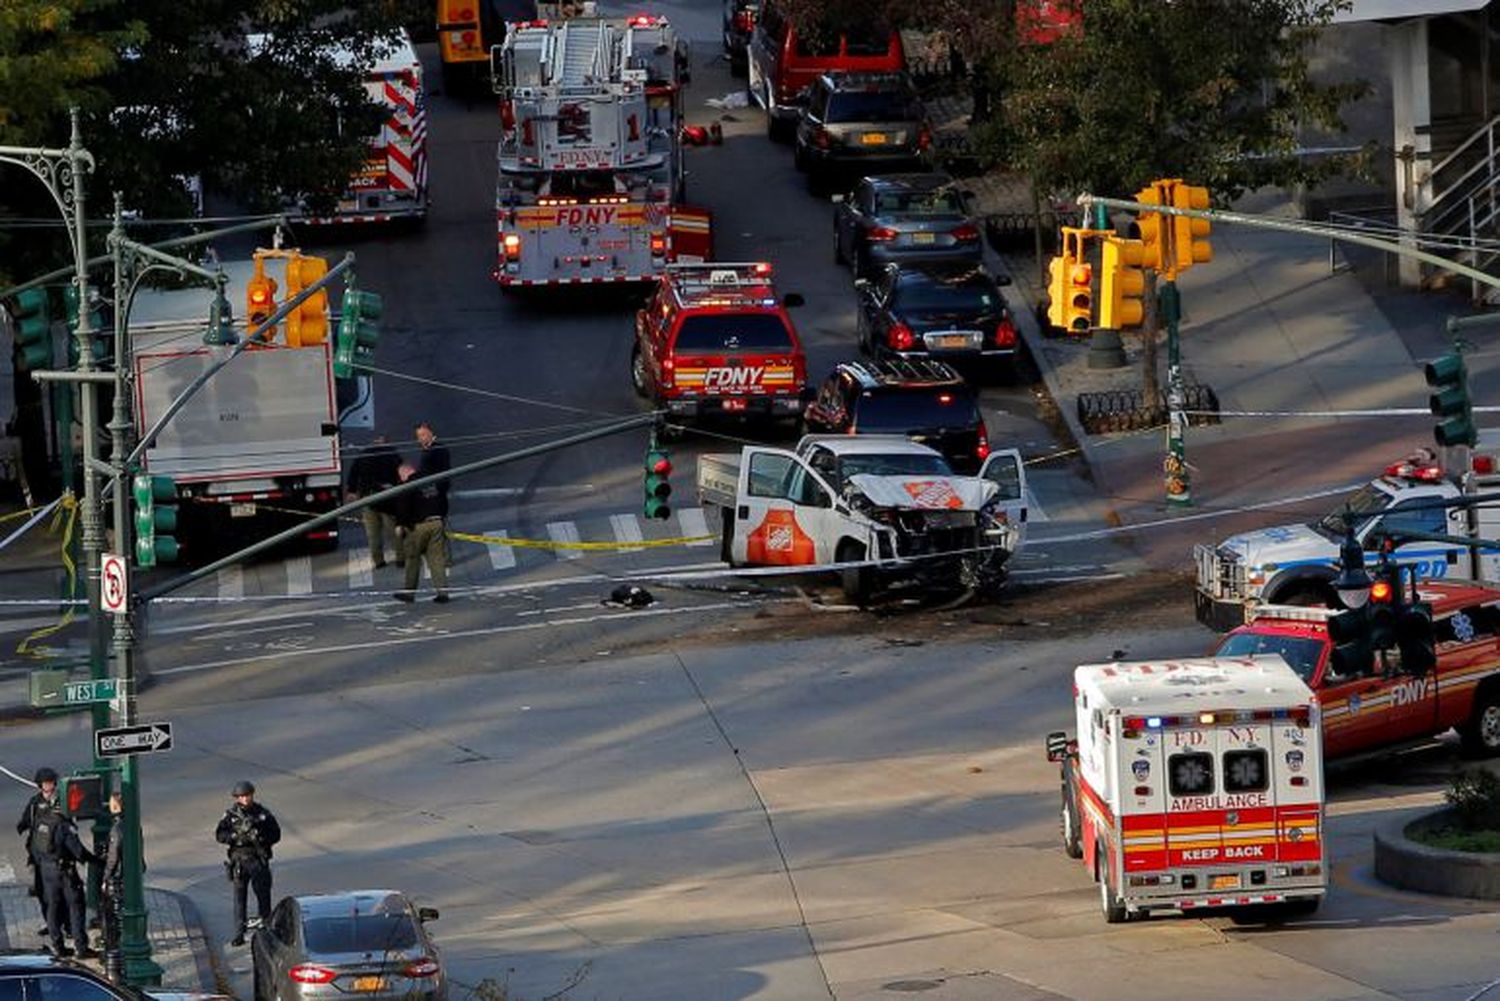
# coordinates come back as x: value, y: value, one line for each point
x: 1393, y: 705
x: 715, y: 342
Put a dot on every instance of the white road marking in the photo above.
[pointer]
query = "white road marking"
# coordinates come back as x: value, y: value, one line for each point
x: 286, y: 657
x: 501, y: 557
x: 481, y: 492
x: 627, y: 529
x: 694, y: 522
x: 299, y: 575
x: 361, y: 568
x: 564, y: 531
x: 231, y: 582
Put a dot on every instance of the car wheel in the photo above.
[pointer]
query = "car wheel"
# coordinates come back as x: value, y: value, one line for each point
x: 857, y: 582
x: 1111, y: 906
x: 1072, y: 834
x: 1481, y: 734
x: 638, y: 372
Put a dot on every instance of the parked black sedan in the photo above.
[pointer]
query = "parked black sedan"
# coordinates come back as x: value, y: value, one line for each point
x: 952, y: 313
x: 904, y: 218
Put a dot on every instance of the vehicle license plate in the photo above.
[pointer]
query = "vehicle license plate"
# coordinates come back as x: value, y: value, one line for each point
x: 1230, y: 882
x: 242, y: 510
x: 732, y: 404
x: 369, y: 983
x: 874, y: 139
x: 950, y: 341
x: 348, y: 205
x: 924, y: 238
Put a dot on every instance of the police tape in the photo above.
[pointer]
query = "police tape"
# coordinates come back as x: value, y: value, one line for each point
x: 619, y: 544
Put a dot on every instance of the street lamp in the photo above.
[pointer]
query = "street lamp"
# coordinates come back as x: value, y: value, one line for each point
x: 1353, y: 582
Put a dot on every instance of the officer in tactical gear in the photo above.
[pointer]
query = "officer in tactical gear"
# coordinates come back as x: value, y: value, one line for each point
x: 249, y: 830
x: 46, y: 782
x: 54, y: 848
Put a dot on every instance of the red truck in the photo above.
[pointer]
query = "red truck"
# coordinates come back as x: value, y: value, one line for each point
x: 1393, y: 706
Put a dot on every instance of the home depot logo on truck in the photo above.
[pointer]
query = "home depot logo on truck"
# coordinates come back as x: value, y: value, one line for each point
x: 1194, y: 783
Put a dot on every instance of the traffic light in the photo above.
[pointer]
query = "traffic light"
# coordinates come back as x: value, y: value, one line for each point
x: 33, y: 316
x: 1350, y: 633
x: 103, y: 338
x: 260, y: 299
x: 1384, y: 607
x: 1450, y: 402
x: 1414, y: 638
x: 1078, y: 282
x: 1189, y: 236
x: 1057, y: 289
x: 658, y: 486
x: 154, y: 523
x: 1150, y: 229
x: 82, y: 796
x: 359, y: 331
x: 1122, y: 284
x: 308, y: 323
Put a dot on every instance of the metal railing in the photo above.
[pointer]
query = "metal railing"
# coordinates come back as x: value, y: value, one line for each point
x: 1464, y: 201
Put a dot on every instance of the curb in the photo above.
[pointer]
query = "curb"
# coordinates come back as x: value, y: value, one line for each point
x: 1411, y: 865
x: 205, y: 956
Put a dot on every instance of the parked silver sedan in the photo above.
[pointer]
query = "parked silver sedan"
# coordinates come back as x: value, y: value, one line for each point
x: 371, y: 945
x: 904, y: 219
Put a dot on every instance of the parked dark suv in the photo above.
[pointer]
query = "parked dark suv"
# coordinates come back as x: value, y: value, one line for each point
x: 927, y: 401
x: 861, y: 123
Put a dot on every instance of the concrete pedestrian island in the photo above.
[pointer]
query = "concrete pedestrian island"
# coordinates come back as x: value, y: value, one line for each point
x: 1411, y: 865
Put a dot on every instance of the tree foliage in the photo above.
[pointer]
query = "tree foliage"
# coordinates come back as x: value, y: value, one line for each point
x: 1218, y: 92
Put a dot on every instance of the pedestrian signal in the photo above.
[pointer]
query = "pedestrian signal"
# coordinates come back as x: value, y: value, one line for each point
x: 82, y: 796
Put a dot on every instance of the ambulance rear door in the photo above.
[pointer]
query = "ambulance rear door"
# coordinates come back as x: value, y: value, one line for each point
x: 1141, y: 781
x: 1296, y: 760
x: 1248, y: 832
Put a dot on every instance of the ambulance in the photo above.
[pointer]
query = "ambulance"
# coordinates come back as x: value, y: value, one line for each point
x: 1195, y: 784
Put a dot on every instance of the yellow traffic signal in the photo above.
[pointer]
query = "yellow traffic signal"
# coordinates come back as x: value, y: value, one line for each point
x: 1122, y: 284
x: 1057, y: 289
x: 260, y: 298
x: 308, y: 323
x: 1190, y: 236
x: 1150, y: 227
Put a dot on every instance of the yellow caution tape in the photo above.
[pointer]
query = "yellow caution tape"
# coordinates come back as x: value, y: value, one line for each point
x: 501, y: 540
x: 68, y: 504
x: 14, y: 515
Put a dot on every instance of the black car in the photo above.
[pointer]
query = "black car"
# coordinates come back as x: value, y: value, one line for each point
x: 864, y: 122
x: 950, y: 313
x: 927, y: 401
x: 904, y: 219
x: 739, y: 24
x: 40, y: 977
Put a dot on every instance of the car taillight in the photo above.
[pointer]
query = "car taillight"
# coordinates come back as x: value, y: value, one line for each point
x: 900, y: 337
x: 967, y: 233
x: 822, y: 138
x: 1005, y: 333
x: 466, y: 14
x: 470, y: 39
x: 512, y: 244
x: 881, y: 234
x: 982, y: 450
x: 424, y: 967
x: 308, y: 973
x: 668, y: 373
x: 924, y: 138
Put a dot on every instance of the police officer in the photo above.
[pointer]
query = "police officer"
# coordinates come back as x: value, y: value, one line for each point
x: 249, y: 830
x: 112, y: 889
x: 46, y: 782
x: 53, y: 847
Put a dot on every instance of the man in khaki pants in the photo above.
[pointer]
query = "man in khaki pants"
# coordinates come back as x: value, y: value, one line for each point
x: 420, y: 513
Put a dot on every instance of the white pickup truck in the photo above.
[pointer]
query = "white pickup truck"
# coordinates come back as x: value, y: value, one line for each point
x: 892, y: 508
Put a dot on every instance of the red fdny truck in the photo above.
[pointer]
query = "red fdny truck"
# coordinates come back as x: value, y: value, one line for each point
x: 1195, y: 784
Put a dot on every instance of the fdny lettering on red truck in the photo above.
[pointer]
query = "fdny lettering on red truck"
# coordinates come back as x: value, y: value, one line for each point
x: 747, y: 375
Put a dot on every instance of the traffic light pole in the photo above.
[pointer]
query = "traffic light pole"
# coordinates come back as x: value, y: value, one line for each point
x: 1175, y: 467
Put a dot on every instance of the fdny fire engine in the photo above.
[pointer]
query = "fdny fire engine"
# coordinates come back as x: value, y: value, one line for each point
x: 1195, y: 784
x: 590, y: 165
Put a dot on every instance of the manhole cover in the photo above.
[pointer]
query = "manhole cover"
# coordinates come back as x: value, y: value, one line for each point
x: 912, y: 986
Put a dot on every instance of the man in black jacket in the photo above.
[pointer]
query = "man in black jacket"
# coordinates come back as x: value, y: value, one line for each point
x: 424, y: 515
x: 249, y: 831
x: 53, y: 846
x: 371, y: 472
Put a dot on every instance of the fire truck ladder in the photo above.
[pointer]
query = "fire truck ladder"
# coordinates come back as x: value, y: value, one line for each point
x: 585, y: 46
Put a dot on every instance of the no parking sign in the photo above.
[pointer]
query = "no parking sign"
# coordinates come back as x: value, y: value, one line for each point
x: 114, y: 585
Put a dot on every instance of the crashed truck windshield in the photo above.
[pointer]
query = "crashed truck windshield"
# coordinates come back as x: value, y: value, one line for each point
x: 1367, y: 500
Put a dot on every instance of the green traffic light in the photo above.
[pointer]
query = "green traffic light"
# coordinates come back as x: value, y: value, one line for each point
x: 1449, y: 379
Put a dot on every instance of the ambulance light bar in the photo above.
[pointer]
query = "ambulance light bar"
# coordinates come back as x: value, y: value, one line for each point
x: 1294, y: 613
x: 1301, y: 716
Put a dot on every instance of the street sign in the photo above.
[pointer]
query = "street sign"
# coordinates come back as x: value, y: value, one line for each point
x: 114, y: 585
x: 121, y: 741
x: 79, y: 692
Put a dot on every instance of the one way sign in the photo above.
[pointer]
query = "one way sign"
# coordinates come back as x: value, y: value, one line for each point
x: 145, y: 738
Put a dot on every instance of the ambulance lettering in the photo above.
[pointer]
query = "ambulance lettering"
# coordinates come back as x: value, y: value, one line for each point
x: 1200, y: 854
x: 733, y: 378
x: 1409, y: 692
x: 1245, y: 851
x: 1228, y: 801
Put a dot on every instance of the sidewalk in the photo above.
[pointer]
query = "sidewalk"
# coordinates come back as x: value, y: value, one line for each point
x: 179, y: 944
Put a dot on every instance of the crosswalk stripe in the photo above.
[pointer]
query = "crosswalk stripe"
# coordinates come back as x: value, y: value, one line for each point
x: 299, y: 575
x: 564, y: 531
x: 361, y: 568
x: 232, y: 582
x: 693, y: 522
x: 627, y: 529
x: 501, y: 557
